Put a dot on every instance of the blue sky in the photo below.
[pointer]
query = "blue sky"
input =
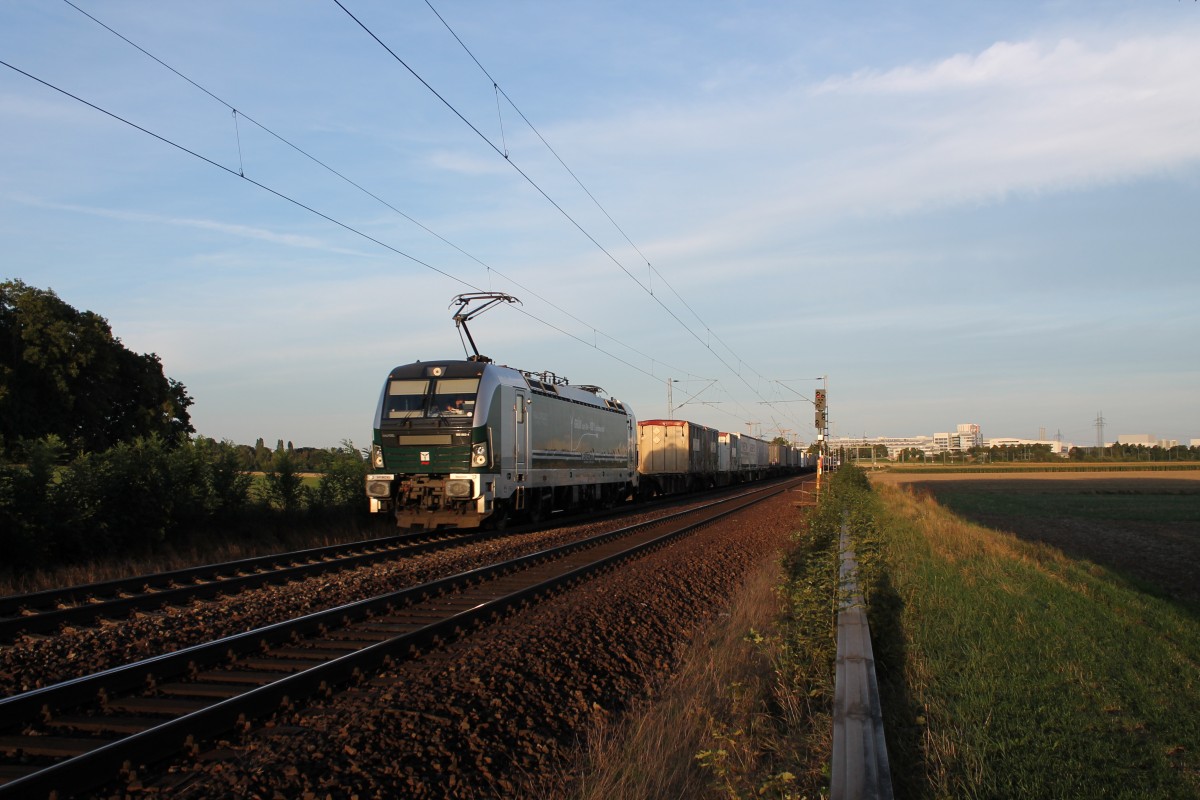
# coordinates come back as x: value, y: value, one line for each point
x: 958, y: 212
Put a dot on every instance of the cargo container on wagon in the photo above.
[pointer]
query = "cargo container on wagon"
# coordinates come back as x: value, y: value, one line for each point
x: 675, y: 455
x: 753, y: 456
x: 728, y: 468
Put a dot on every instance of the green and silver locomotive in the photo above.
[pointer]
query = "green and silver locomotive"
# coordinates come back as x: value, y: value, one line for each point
x: 470, y: 443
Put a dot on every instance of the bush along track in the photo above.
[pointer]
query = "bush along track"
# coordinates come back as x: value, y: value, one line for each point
x: 1007, y: 669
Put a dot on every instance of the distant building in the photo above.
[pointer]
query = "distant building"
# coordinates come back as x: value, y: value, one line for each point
x: 1056, y: 447
x: 1136, y: 438
x: 969, y: 432
x: 964, y: 438
x: 1148, y: 440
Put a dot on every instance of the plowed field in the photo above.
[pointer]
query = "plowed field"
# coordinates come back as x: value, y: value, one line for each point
x: 1144, y: 526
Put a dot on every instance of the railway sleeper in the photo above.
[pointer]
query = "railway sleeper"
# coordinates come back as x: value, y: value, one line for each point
x: 49, y: 746
x: 304, y: 654
x: 217, y: 690
x: 165, y: 706
x: 239, y: 676
x: 278, y: 665
x: 360, y: 634
x: 103, y: 724
x: 342, y: 645
x: 392, y: 627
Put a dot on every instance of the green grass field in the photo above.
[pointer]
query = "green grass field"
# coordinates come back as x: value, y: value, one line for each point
x: 1010, y: 669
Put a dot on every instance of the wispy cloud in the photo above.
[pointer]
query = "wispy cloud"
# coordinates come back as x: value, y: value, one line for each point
x: 231, y: 229
x: 1019, y: 116
x: 1024, y: 116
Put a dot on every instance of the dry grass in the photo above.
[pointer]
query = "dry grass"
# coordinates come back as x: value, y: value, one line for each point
x: 956, y: 541
x: 715, y: 703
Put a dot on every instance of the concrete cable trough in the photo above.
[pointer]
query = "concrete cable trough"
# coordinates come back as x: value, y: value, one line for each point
x: 860, y: 762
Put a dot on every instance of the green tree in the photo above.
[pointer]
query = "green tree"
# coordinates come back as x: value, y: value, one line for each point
x: 341, y: 487
x: 63, y: 373
x: 282, y: 485
x: 262, y: 456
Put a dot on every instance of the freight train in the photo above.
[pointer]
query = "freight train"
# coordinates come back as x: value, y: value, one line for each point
x: 471, y: 443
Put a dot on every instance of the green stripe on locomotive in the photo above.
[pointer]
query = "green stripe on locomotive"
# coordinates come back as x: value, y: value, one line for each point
x: 417, y: 459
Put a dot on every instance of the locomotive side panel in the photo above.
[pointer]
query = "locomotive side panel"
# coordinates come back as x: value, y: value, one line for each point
x: 567, y: 434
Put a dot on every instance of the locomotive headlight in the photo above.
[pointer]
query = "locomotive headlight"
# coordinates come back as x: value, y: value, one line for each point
x: 479, y: 454
x: 376, y: 456
x: 379, y: 486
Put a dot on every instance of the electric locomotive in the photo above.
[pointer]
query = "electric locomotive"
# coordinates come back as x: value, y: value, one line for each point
x: 469, y: 443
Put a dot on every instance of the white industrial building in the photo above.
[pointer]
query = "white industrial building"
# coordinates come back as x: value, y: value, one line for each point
x: 966, y: 436
x: 1056, y: 447
x: 1148, y: 440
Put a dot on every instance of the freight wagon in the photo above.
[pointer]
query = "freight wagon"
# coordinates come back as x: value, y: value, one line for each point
x: 676, y: 456
x: 754, y: 458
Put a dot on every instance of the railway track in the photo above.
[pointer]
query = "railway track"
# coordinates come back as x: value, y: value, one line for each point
x: 83, y: 733
x: 46, y: 611
x: 42, y: 612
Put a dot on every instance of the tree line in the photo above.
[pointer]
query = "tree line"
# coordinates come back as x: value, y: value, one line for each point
x: 1039, y: 453
x: 98, y: 454
x: 1135, y: 452
x: 63, y: 373
x: 260, y: 458
x: 136, y: 496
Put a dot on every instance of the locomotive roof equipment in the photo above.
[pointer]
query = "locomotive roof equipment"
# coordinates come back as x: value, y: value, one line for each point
x: 462, y: 316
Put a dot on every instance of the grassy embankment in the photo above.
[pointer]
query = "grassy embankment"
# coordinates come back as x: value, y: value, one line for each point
x: 1011, y: 670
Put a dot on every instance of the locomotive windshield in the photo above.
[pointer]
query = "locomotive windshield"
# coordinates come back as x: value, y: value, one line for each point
x: 405, y: 398
x: 454, y: 397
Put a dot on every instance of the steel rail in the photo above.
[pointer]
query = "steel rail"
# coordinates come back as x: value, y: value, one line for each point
x: 103, y: 764
x: 87, y: 602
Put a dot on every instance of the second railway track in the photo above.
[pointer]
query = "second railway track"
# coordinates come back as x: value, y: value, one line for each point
x: 41, y: 612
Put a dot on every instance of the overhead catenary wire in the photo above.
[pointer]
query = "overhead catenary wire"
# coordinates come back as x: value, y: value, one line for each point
x: 233, y: 172
x: 345, y: 226
x: 237, y: 113
x: 499, y: 91
x: 652, y: 270
x: 506, y: 156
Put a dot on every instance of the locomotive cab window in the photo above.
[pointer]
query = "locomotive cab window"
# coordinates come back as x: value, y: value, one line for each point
x: 454, y: 397
x: 405, y: 398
